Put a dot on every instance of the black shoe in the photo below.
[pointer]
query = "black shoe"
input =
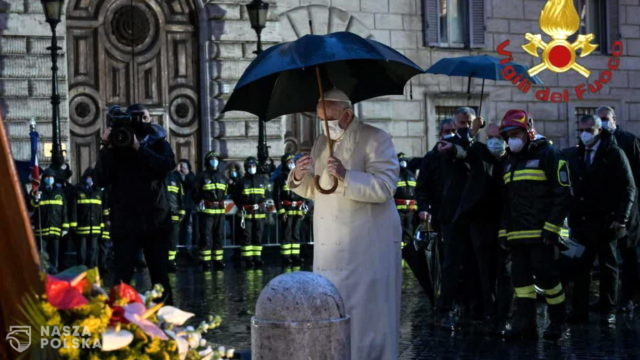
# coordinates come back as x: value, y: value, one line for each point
x: 554, y: 331
x: 511, y: 333
x: 218, y: 265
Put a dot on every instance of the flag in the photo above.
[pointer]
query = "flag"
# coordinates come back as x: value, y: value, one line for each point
x: 35, y: 168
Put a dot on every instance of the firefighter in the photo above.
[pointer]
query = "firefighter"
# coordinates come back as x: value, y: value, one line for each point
x: 291, y: 211
x: 406, y: 199
x: 250, y: 197
x: 87, y: 219
x: 49, y: 218
x: 537, y: 198
x: 210, y: 189
x: 175, y: 198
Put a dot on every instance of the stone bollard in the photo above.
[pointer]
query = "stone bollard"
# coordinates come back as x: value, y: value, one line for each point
x: 300, y: 316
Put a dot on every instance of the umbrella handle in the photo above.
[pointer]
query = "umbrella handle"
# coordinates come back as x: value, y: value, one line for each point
x: 326, y: 191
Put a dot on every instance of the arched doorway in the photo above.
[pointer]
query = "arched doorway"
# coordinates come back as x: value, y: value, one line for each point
x: 121, y: 52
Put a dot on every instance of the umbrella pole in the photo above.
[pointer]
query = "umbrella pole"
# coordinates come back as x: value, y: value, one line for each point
x: 481, y: 95
x: 330, y: 141
x: 469, y: 89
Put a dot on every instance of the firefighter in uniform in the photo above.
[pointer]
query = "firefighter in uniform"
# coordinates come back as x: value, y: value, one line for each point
x: 209, y: 193
x: 250, y: 199
x: 49, y: 217
x: 175, y: 195
x: 87, y: 219
x: 291, y: 211
x: 537, y: 198
x: 405, y: 198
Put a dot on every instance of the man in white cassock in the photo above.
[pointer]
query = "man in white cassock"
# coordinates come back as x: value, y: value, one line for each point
x: 356, y: 229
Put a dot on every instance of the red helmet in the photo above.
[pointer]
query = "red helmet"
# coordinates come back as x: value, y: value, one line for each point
x: 516, y: 119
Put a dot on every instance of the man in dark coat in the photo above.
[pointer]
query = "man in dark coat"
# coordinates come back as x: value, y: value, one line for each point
x: 140, y: 215
x: 630, y: 144
x: 598, y: 215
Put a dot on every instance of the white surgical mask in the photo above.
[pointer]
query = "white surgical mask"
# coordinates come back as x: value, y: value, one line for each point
x: 48, y: 181
x: 516, y: 145
x: 496, y: 146
x: 448, y: 136
x: 335, y: 130
x: 291, y: 165
x: 403, y: 164
x: 587, y: 138
x: 89, y: 182
x: 252, y: 170
x: 608, y: 126
x: 214, y: 163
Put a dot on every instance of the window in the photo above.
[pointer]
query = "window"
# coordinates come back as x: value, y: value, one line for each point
x: 454, y: 23
x: 601, y: 18
x: 582, y: 111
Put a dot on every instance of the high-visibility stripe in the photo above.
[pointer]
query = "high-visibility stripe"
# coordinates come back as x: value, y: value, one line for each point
x: 281, y: 211
x: 90, y: 201
x: 182, y: 212
x: 175, y: 218
x: 73, y: 224
x: 106, y: 235
x: 257, y: 250
x: 553, y: 228
x: 172, y: 255
x: 295, y: 212
x: 65, y: 226
x: 556, y: 300
x: 256, y: 216
x: 47, y: 202
x: 212, y: 211
x: 527, y: 174
x: 411, y: 183
x: 553, y: 291
x: 526, y: 292
x: 214, y: 186
x: 555, y: 295
x: 525, y: 234
x: 106, y: 212
x: 246, y: 251
x: 407, y: 207
x: 99, y: 228
x: 502, y: 233
x: 173, y: 189
x: 286, y: 187
x: 401, y: 184
x: 253, y: 191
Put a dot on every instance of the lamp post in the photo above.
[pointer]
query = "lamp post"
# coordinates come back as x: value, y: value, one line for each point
x: 53, y: 12
x: 257, y: 10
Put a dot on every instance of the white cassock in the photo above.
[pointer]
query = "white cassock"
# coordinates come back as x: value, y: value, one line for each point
x: 357, y: 236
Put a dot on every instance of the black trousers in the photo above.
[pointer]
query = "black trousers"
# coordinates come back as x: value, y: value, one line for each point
x: 629, y: 281
x: 292, y: 228
x: 252, y: 237
x: 601, y: 244
x: 189, y: 230
x: 87, y: 249
x: 174, y: 238
x: 51, y: 245
x: 406, y: 220
x: 211, y: 236
x: 469, y: 253
x: 155, y: 245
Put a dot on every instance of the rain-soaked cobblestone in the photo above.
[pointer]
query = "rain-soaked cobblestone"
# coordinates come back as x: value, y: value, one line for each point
x: 232, y: 295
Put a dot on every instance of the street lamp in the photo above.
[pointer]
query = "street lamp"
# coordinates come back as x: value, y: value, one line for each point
x: 53, y: 12
x: 257, y: 10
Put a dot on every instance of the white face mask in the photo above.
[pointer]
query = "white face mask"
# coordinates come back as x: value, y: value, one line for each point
x: 587, y: 138
x: 608, y: 126
x: 291, y: 165
x: 516, y: 145
x: 496, y: 146
x: 335, y: 130
x: 252, y: 170
x: 403, y: 164
x: 448, y: 136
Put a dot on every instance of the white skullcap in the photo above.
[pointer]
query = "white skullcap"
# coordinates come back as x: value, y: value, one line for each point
x: 336, y: 95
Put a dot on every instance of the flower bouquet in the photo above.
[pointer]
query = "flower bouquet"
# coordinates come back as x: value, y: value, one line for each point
x: 76, y: 318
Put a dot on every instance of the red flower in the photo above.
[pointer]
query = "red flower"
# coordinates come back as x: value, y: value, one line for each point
x: 124, y: 292
x: 62, y: 295
x: 117, y: 316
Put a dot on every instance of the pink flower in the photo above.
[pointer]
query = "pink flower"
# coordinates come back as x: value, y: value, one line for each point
x: 137, y: 314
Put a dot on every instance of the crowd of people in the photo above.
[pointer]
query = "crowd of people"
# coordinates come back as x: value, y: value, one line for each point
x: 516, y: 217
x: 519, y: 218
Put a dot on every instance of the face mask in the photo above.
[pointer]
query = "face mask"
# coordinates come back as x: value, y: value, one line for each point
x: 234, y: 174
x: 89, y: 182
x: 496, y: 146
x: 403, y: 164
x: 48, y: 181
x: 252, y: 170
x: 291, y: 165
x: 448, y: 136
x: 587, y: 138
x: 608, y: 126
x: 335, y: 130
x: 516, y: 145
x: 214, y: 163
x: 464, y: 133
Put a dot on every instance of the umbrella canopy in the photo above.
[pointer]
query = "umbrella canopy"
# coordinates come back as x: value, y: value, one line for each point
x: 282, y: 80
x: 481, y: 67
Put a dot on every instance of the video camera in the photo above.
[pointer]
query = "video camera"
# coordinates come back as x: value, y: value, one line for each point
x: 124, y: 125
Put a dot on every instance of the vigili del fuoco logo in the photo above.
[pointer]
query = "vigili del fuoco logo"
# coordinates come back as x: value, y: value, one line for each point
x: 559, y: 19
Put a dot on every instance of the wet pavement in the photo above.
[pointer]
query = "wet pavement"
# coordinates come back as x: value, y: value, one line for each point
x: 232, y: 295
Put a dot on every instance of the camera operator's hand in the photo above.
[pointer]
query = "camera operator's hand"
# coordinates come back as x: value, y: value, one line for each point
x: 136, y: 143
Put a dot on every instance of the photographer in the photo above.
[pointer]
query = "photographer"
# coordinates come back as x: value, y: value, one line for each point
x: 134, y: 160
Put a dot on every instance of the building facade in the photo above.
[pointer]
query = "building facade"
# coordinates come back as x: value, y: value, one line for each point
x: 182, y: 59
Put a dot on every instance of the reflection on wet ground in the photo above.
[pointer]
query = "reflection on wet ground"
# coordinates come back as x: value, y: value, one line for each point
x: 232, y: 295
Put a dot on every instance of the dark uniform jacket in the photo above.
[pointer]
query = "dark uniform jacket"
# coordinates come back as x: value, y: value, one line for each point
x: 188, y: 186
x: 537, y: 194
x: 602, y: 192
x: 406, y: 190
x: 429, y: 185
x: 252, y: 190
x: 50, y: 212
x: 137, y: 199
x: 630, y: 144
x: 87, y: 212
x: 285, y: 198
x: 175, y: 195
x: 211, y: 186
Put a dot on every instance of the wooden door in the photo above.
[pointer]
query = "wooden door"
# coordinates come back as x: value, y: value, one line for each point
x: 122, y: 52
